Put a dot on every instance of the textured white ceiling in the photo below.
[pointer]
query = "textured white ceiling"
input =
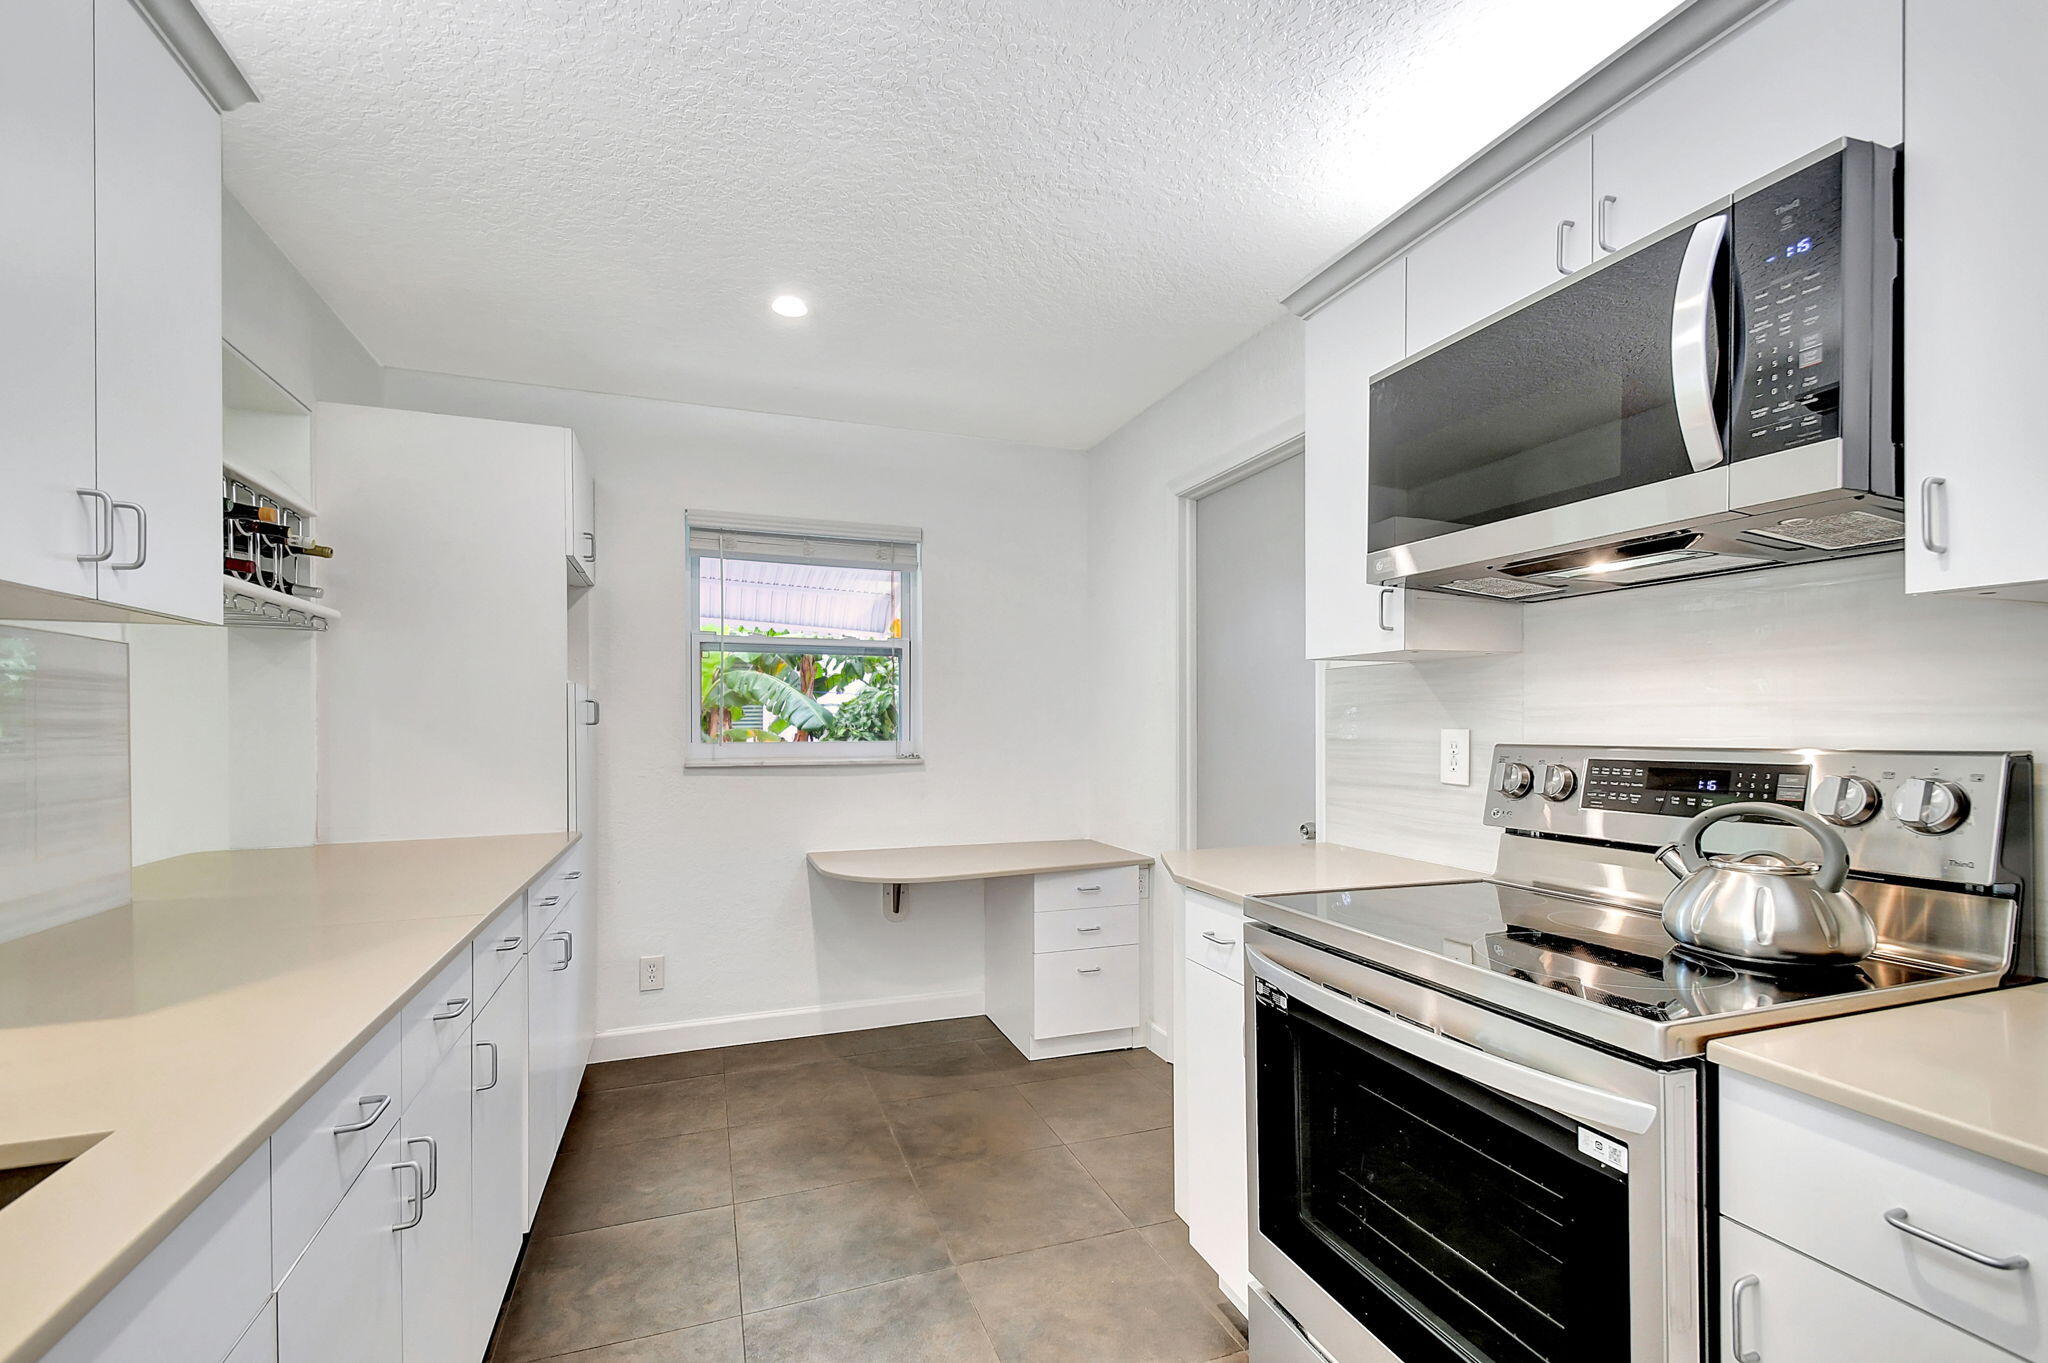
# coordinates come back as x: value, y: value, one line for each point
x: 1023, y: 219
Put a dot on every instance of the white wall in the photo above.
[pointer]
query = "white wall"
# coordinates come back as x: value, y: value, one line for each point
x: 707, y: 867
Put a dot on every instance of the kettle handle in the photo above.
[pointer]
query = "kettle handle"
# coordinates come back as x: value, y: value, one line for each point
x: 1834, y: 860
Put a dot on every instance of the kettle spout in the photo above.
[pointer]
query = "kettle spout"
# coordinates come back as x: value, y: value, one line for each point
x: 1672, y: 860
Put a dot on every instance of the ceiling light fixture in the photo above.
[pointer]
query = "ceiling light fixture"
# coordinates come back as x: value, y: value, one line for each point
x: 789, y: 305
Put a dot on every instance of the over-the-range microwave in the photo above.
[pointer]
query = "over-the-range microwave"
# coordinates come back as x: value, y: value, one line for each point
x: 1716, y: 399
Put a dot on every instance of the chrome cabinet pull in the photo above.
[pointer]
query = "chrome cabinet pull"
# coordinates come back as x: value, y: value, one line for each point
x: 431, y: 1181
x: 1219, y: 941
x: 1386, y: 600
x: 1564, y: 234
x: 382, y: 1101
x: 1928, y: 487
x: 417, y: 1199
x: 1088, y: 970
x: 102, y: 527
x: 550, y: 901
x: 1607, y: 201
x: 568, y: 942
x: 572, y: 875
x: 455, y: 1010
x: 1735, y: 1331
x: 141, y: 537
x: 1096, y: 928
x: 591, y: 557
x: 596, y: 711
x: 1896, y: 1218
x: 492, y: 1047
x: 1088, y: 889
x: 510, y: 944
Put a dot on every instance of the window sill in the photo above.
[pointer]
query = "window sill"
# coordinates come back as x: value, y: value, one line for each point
x: 771, y: 763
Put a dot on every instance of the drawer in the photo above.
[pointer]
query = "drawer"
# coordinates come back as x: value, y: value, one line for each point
x: 1212, y: 934
x: 1822, y: 1179
x: 313, y: 1160
x: 1084, y: 991
x: 544, y: 904
x: 1081, y: 889
x: 494, y: 952
x: 1115, y: 925
x: 433, y: 1024
x: 1793, y: 1310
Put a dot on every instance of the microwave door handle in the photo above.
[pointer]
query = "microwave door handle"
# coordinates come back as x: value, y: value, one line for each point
x: 1580, y: 1102
x: 1692, y: 345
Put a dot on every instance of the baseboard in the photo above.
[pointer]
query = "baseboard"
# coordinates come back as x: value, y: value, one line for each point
x: 735, y: 1029
x: 1159, y: 1041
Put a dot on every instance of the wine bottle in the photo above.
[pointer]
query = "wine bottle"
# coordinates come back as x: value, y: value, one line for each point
x: 309, y: 548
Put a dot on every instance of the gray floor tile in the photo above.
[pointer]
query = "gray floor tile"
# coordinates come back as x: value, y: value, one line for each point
x: 718, y: 1342
x: 764, y: 1055
x: 643, y: 1111
x: 923, y: 1071
x: 1147, y: 1062
x: 621, y: 1283
x: 911, y: 1034
x: 1009, y: 1203
x: 1169, y: 1240
x: 830, y: 1240
x: 1106, y: 1298
x: 788, y: 1157
x: 653, y: 1069
x: 1135, y: 1170
x: 829, y: 1090
x: 1092, y: 1106
x: 963, y: 1126
x: 1064, y: 1067
x: 609, y: 1185
x: 927, y: 1319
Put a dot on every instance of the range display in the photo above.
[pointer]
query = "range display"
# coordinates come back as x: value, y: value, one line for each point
x: 1689, y: 787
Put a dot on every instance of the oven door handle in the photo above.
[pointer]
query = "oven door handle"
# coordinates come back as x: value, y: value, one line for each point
x: 1692, y: 345
x: 1581, y: 1102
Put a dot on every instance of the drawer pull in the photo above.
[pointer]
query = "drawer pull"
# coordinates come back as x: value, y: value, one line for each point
x: 1088, y: 970
x: 1219, y: 941
x: 572, y: 875
x: 1896, y: 1219
x: 382, y: 1101
x: 510, y: 944
x: 551, y: 901
x: 1735, y: 1342
x: 1089, y: 889
x: 455, y: 1009
x: 1096, y: 928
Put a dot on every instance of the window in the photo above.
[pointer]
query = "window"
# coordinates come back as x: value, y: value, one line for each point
x: 804, y: 641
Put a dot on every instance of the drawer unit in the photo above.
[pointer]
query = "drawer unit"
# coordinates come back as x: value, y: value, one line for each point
x: 1085, y: 889
x: 1114, y: 925
x: 322, y: 1147
x: 1864, y: 1196
x: 433, y: 1024
x: 544, y: 904
x: 1085, y: 991
x: 494, y: 954
x: 1213, y: 934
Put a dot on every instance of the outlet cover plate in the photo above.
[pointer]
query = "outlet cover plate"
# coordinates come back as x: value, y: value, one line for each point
x: 1454, y: 757
x: 653, y: 973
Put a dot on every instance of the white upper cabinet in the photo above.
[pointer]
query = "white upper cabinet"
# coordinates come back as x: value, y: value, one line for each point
x: 1522, y: 237
x: 582, y: 520
x: 1732, y: 115
x: 1976, y: 476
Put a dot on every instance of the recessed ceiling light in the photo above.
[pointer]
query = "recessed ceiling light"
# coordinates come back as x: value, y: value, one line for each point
x: 789, y: 305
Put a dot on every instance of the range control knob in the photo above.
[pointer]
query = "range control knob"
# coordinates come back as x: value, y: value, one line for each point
x: 1846, y: 800
x: 1559, y: 782
x: 1926, y: 805
x: 1515, y: 779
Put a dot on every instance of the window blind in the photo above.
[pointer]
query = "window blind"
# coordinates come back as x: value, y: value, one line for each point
x: 760, y: 537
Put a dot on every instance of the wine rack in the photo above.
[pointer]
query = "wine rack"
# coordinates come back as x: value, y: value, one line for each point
x: 269, y: 559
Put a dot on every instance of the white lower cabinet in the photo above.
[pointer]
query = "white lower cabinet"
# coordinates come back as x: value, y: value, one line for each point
x: 497, y: 1173
x: 1209, y: 1077
x: 560, y: 1023
x: 1062, y: 955
x: 342, y: 1301
x: 438, y: 1299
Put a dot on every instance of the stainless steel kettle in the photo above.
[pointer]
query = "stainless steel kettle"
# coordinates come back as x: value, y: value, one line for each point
x: 1763, y: 908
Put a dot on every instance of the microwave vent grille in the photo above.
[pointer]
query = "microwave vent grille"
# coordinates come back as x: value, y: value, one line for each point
x: 1843, y: 530
x: 1504, y: 588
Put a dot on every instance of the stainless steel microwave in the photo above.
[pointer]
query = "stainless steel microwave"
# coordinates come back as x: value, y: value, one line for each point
x: 1716, y: 399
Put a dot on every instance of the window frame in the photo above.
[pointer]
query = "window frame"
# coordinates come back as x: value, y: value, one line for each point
x: 906, y: 749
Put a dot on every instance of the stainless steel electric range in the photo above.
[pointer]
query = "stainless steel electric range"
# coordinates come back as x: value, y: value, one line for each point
x: 1476, y: 1108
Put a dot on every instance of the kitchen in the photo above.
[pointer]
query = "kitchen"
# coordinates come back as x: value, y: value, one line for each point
x: 422, y: 942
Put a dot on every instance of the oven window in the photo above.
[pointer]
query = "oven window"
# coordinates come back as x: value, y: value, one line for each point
x: 1456, y: 1224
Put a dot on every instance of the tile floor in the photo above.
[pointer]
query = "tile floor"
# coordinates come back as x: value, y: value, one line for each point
x: 917, y: 1194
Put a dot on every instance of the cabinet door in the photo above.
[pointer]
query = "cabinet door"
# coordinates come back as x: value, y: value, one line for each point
x: 582, y: 546
x: 550, y: 1015
x: 497, y: 1118
x: 582, y: 985
x: 1514, y: 242
x: 1778, y: 1305
x: 1731, y: 117
x: 1354, y: 337
x: 439, y: 1285
x: 1975, y: 475
x: 1212, y: 1069
x: 340, y: 1303
x: 157, y: 245
x: 46, y: 329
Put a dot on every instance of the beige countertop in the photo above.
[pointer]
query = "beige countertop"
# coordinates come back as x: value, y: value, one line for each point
x: 971, y: 861
x: 189, y: 1025
x: 1965, y: 1070
x: 1300, y: 868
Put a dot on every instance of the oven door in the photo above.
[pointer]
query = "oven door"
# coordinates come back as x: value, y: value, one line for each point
x: 1432, y: 1182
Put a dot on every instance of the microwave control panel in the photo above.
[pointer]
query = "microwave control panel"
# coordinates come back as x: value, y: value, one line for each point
x: 1787, y: 285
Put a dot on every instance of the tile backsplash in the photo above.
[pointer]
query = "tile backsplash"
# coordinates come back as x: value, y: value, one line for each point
x: 1825, y: 655
x: 64, y: 817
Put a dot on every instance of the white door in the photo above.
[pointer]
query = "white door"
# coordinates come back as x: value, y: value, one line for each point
x: 1730, y: 117
x: 1212, y: 1069
x: 1516, y: 241
x: 1255, y: 695
x: 157, y: 241
x: 340, y: 1303
x: 440, y: 1289
x: 46, y: 327
x: 497, y: 1116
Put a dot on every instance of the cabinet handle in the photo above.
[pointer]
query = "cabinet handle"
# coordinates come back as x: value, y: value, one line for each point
x: 141, y: 537
x: 102, y: 527
x: 568, y: 941
x: 1219, y: 941
x: 572, y: 875
x: 382, y: 1101
x: 510, y: 944
x: 1088, y: 970
x: 1735, y: 1332
x: 591, y: 557
x: 1896, y: 1219
x: 1564, y: 233
x: 1088, y: 889
x: 550, y: 901
x: 417, y: 1198
x: 1607, y: 201
x: 1928, y: 487
x: 492, y: 1047
x: 596, y: 711
x: 455, y: 1009
x: 1386, y: 596
x: 431, y: 1181
x: 1096, y: 928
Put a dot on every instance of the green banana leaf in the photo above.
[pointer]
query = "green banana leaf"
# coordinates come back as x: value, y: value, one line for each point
x: 742, y: 686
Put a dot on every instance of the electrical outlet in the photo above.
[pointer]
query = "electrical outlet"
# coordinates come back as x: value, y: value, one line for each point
x: 1454, y: 757
x: 653, y: 973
